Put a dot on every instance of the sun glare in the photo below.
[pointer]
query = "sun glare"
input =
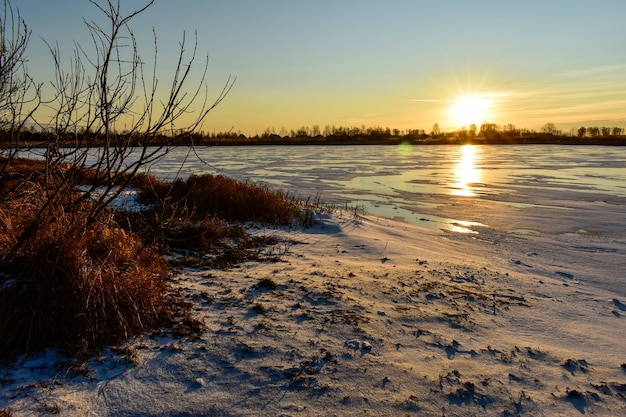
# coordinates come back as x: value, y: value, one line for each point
x: 468, y: 177
x: 470, y: 109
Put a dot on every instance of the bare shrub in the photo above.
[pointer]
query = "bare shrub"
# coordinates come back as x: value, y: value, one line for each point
x: 20, y: 96
x: 70, y: 275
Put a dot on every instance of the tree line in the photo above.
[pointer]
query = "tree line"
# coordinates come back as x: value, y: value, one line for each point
x: 491, y: 133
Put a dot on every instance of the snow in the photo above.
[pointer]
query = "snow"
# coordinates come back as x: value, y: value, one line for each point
x: 370, y: 316
x: 126, y: 199
x: 510, y: 302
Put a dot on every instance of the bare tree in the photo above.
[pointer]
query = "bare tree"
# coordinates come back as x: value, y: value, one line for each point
x: 435, y: 131
x: 19, y: 94
x: 67, y: 255
x: 593, y: 131
x: 472, y: 130
x: 550, y: 129
x: 111, y: 85
x: 104, y: 86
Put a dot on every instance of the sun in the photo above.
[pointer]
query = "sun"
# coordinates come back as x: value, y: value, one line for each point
x: 470, y: 109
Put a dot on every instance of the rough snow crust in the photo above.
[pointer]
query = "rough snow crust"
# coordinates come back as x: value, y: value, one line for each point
x: 371, y: 317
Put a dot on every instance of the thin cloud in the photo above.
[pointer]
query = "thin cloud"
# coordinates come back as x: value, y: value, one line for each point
x: 428, y: 100
x: 480, y: 95
x: 592, y: 71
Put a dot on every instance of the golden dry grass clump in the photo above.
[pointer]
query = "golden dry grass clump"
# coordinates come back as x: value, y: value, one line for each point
x: 203, y: 214
x: 68, y: 281
x: 205, y: 195
x: 74, y: 279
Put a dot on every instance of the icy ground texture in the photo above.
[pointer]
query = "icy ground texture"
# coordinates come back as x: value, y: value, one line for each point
x: 566, y: 204
x: 369, y: 317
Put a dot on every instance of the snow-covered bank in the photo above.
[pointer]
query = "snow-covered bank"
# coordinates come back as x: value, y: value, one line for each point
x: 370, y: 317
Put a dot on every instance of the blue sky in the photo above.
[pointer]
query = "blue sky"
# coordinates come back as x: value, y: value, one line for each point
x: 400, y: 64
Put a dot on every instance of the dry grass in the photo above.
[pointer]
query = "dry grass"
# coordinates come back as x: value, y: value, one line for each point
x: 222, y: 197
x: 18, y: 174
x: 75, y: 283
x: 69, y: 282
x: 77, y: 286
x: 203, y: 215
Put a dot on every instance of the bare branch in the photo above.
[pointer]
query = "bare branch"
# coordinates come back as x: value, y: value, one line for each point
x: 20, y: 95
x: 107, y: 85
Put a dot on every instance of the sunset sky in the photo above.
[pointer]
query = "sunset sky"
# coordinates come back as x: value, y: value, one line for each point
x: 399, y: 64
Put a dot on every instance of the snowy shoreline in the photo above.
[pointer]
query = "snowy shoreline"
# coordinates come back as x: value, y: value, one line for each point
x: 367, y: 316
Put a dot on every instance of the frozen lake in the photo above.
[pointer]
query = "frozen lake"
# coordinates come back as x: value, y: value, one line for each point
x: 552, y: 209
x: 548, y: 208
x: 561, y: 189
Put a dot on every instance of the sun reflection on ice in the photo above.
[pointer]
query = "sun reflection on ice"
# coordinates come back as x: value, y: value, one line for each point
x: 467, y: 176
x: 465, y: 227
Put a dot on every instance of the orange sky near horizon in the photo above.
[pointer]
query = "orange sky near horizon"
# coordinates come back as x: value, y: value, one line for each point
x: 402, y: 64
